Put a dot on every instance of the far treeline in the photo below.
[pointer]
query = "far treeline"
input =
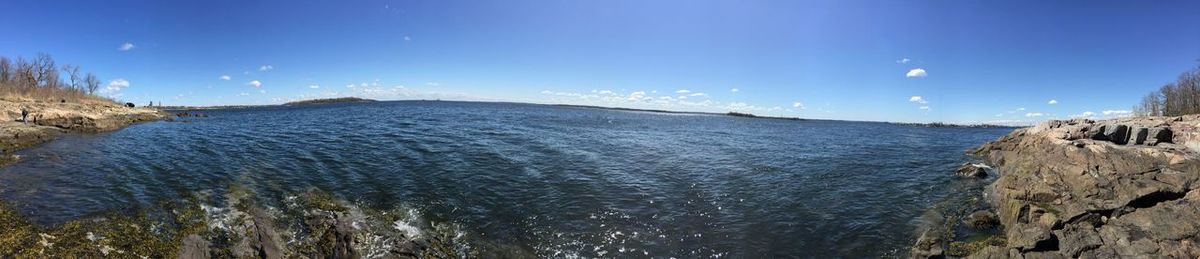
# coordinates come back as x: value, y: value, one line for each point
x: 42, y: 78
x: 1173, y: 99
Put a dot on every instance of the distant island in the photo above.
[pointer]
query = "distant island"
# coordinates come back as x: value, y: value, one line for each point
x: 748, y: 115
x: 951, y: 125
x: 329, y: 101
x: 734, y: 114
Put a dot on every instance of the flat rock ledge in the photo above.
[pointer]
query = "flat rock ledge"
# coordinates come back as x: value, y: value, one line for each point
x: 1119, y: 188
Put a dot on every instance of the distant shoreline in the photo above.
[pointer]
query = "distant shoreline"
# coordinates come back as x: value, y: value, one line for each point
x: 731, y: 114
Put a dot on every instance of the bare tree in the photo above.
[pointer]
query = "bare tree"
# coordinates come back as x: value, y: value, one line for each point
x: 91, y: 82
x: 73, y: 76
x: 1173, y: 99
x: 45, y: 71
x: 6, y: 70
x: 24, y: 75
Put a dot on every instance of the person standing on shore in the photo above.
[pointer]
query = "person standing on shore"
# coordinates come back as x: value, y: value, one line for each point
x: 24, y: 115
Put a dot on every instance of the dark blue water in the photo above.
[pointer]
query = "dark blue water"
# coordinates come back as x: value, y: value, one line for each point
x: 554, y: 181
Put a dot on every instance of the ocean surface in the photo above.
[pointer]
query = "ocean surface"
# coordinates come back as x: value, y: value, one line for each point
x: 547, y: 180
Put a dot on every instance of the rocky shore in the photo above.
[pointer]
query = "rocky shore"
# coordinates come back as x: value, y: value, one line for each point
x: 237, y: 224
x: 1115, y: 188
x: 47, y: 119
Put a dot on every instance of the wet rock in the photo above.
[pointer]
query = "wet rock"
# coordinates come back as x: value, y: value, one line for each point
x: 260, y: 239
x: 982, y: 220
x: 929, y: 245
x: 194, y: 247
x: 972, y: 170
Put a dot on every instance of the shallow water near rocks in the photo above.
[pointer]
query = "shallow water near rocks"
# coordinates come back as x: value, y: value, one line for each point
x: 552, y: 181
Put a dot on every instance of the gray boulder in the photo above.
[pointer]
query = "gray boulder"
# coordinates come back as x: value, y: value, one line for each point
x: 1117, y: 134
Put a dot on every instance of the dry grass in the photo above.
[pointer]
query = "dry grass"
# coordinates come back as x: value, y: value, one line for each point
x: 49, y: 94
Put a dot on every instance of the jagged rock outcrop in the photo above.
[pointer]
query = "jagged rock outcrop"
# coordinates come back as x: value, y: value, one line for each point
x: 972, y: 170
x: 1098, y: 189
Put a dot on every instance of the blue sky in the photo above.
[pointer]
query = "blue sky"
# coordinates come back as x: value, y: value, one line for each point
x: 983, y: 61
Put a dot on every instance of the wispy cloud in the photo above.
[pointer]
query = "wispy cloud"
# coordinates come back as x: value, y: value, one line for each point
x: 918, y: 99
x: 1086, y: 114
x: 924, y: 107
x: 698, y: 94
x: 1052, y: 101
x: 916, y: 72
x: 314, y: 86
x: 735, y: 90
x: 798, y: 105
x: 126, y: 47
x: 903, y: 61
x: 115, y: 86
x: 683, y: 91
x: 266, y: 67
x: 1034, y: 114
x: 225, y: 77
x: 637, y: 96
x: 1116, y: 112
x: 254, y: 83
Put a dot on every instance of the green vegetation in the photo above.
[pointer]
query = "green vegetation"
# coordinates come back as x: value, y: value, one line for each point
x: 973, y: 244
x: 1181, y: 97
x: 114, y: 235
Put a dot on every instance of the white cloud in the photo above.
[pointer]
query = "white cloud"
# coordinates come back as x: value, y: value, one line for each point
x: 126, y: 47
x: 924, y: 107
x: 1087, y: 114
x: 406, y: 38
x: 265, y: 68
x: 735, y: 90
x: 432, y: 83
x: 255, y: 83
x: 262, y: 91
x: 1052, y: 101
x: 683, y: 91
x: 1116, y: 112
x: 225, y: 77
x: 637, y: 96
x: 1021, y: 109
x: 314, y: 86
x: 1034, y: 114
x: 243, y: 94
x: 916, y: 72
x: 798, y: 105
x: 903, y: 61
x: 918, y: 99
x: 698, y: 94
x: 115, y: 86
